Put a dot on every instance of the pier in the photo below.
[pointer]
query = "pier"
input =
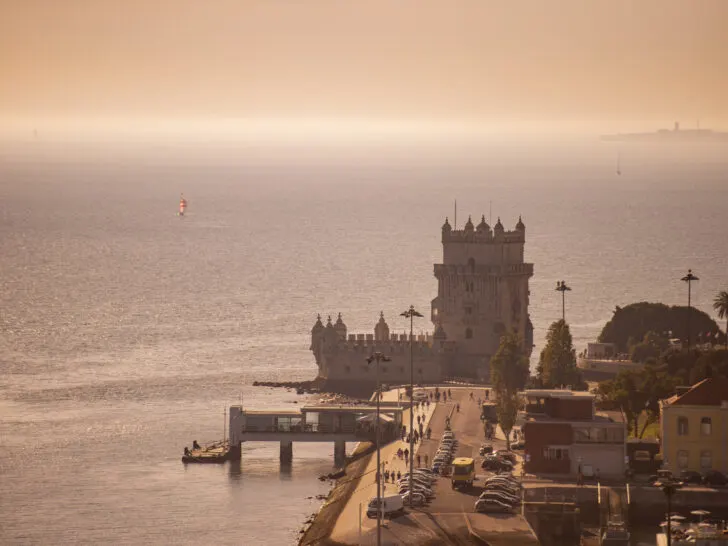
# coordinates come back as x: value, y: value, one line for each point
x: 337, y: 424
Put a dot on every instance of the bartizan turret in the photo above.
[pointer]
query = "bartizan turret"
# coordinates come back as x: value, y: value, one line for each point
x: 340, y: 327
x: 381, y: 329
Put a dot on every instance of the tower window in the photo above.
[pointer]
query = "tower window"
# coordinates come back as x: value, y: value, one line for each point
x: 468, y: 333
x: 471, y: 264
x: 468, y: 310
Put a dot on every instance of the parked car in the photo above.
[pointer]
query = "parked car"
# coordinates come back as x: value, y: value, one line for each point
x: 392, y: 505
x: 507, y: 455
x: 690, y: 476
x: 714, y: 477
x: 501, y: 496
x: 492, y: 506
x: 418, y: 499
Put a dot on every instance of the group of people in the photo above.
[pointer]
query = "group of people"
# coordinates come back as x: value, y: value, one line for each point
x: 195, y: 446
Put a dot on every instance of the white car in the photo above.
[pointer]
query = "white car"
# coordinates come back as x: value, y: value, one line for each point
x: 419, y: 477
x: 428, y: 493
x: 501, y: 497
x: 492, y: 506
x: 415, y: 481
x: 418, y: 499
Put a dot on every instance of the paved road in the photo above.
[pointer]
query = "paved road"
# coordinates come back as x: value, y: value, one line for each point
x: 450, y: 518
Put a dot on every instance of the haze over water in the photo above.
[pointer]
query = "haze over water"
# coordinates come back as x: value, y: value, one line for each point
x: 125, y: 330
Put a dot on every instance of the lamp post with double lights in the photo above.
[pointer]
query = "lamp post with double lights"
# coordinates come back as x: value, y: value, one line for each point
x: 411, y: 313
x: 561, y: 287
x: 669, y: 487
x: 689, y: 278
x: 378, y: 357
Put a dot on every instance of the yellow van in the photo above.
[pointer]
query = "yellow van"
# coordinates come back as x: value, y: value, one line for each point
x: 463, y: 472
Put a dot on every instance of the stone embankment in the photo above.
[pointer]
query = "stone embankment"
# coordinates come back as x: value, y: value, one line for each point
x: 320, y: 527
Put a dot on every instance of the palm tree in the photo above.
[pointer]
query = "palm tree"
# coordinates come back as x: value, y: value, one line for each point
x: 720, y: 304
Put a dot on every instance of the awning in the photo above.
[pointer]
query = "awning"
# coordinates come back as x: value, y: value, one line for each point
x: 372, y: 417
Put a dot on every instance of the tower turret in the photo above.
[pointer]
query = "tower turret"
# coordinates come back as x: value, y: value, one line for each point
x: 381, y: 329
x: 469, y: 228
x: 498, y: 228
x: 446, y: 229
x: 483, y: 226
x: 340, y: 327
x: 316, y: 333
x: 520, y: 226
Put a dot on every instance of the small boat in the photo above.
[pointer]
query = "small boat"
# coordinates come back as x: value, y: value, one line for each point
x: 182, y: 205
x: 615, y: 534
x: 619, y: 169
x: 214, y: 453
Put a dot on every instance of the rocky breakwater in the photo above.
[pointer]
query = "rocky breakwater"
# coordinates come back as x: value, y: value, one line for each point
x: 301, y: 387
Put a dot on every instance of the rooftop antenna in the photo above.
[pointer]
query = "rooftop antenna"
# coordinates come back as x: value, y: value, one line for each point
x: 490, y: 213
x: 455, y: 225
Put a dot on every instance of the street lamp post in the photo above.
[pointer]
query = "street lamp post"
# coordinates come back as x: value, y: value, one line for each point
x: 689, y: 278
x: 561, y: 287
x: 378, y: 357
x: 411, y: 313
x: 669, y: 487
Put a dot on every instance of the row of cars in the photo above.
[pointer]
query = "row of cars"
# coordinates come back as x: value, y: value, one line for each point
x: 422, y: 481
x: 711, y: 477
x: 446, y: 451
x: 501, y: 494
x: 393, y: 505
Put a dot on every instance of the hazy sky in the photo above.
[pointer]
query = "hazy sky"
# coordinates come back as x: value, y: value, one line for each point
x: 607, y: 61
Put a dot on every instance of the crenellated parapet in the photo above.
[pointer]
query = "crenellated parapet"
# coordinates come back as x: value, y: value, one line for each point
x: 483, y: 234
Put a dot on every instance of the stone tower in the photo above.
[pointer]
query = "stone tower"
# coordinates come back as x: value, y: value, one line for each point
x: 482, y: 292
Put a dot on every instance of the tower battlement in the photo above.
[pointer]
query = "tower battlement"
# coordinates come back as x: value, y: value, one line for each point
x: 483, y: 233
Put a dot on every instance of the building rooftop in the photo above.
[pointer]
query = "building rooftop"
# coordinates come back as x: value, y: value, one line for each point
x: 556, y: 393
x: 273, y: 411
x: 598, y: 418
x: 351, y: 408
x: 712, y: 391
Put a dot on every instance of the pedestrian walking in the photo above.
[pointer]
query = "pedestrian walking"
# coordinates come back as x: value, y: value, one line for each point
x: 427, y: 459
x: 429, y: 432
x: 458, y: 407
x: 406, y: 454
x: 399, y: 475
x: 418, y: 460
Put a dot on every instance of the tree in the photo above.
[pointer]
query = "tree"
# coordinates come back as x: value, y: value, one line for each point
x: 509, y: 371
x: 720, y: 304
x: 557, y: 365
x: 651, y: 346
x: 509, y: 368
x: 507, y: 410
x: 637, y: 319
x: 635, y: 391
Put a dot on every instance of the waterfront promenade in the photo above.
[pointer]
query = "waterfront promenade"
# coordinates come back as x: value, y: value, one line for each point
x: 450, y: 517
